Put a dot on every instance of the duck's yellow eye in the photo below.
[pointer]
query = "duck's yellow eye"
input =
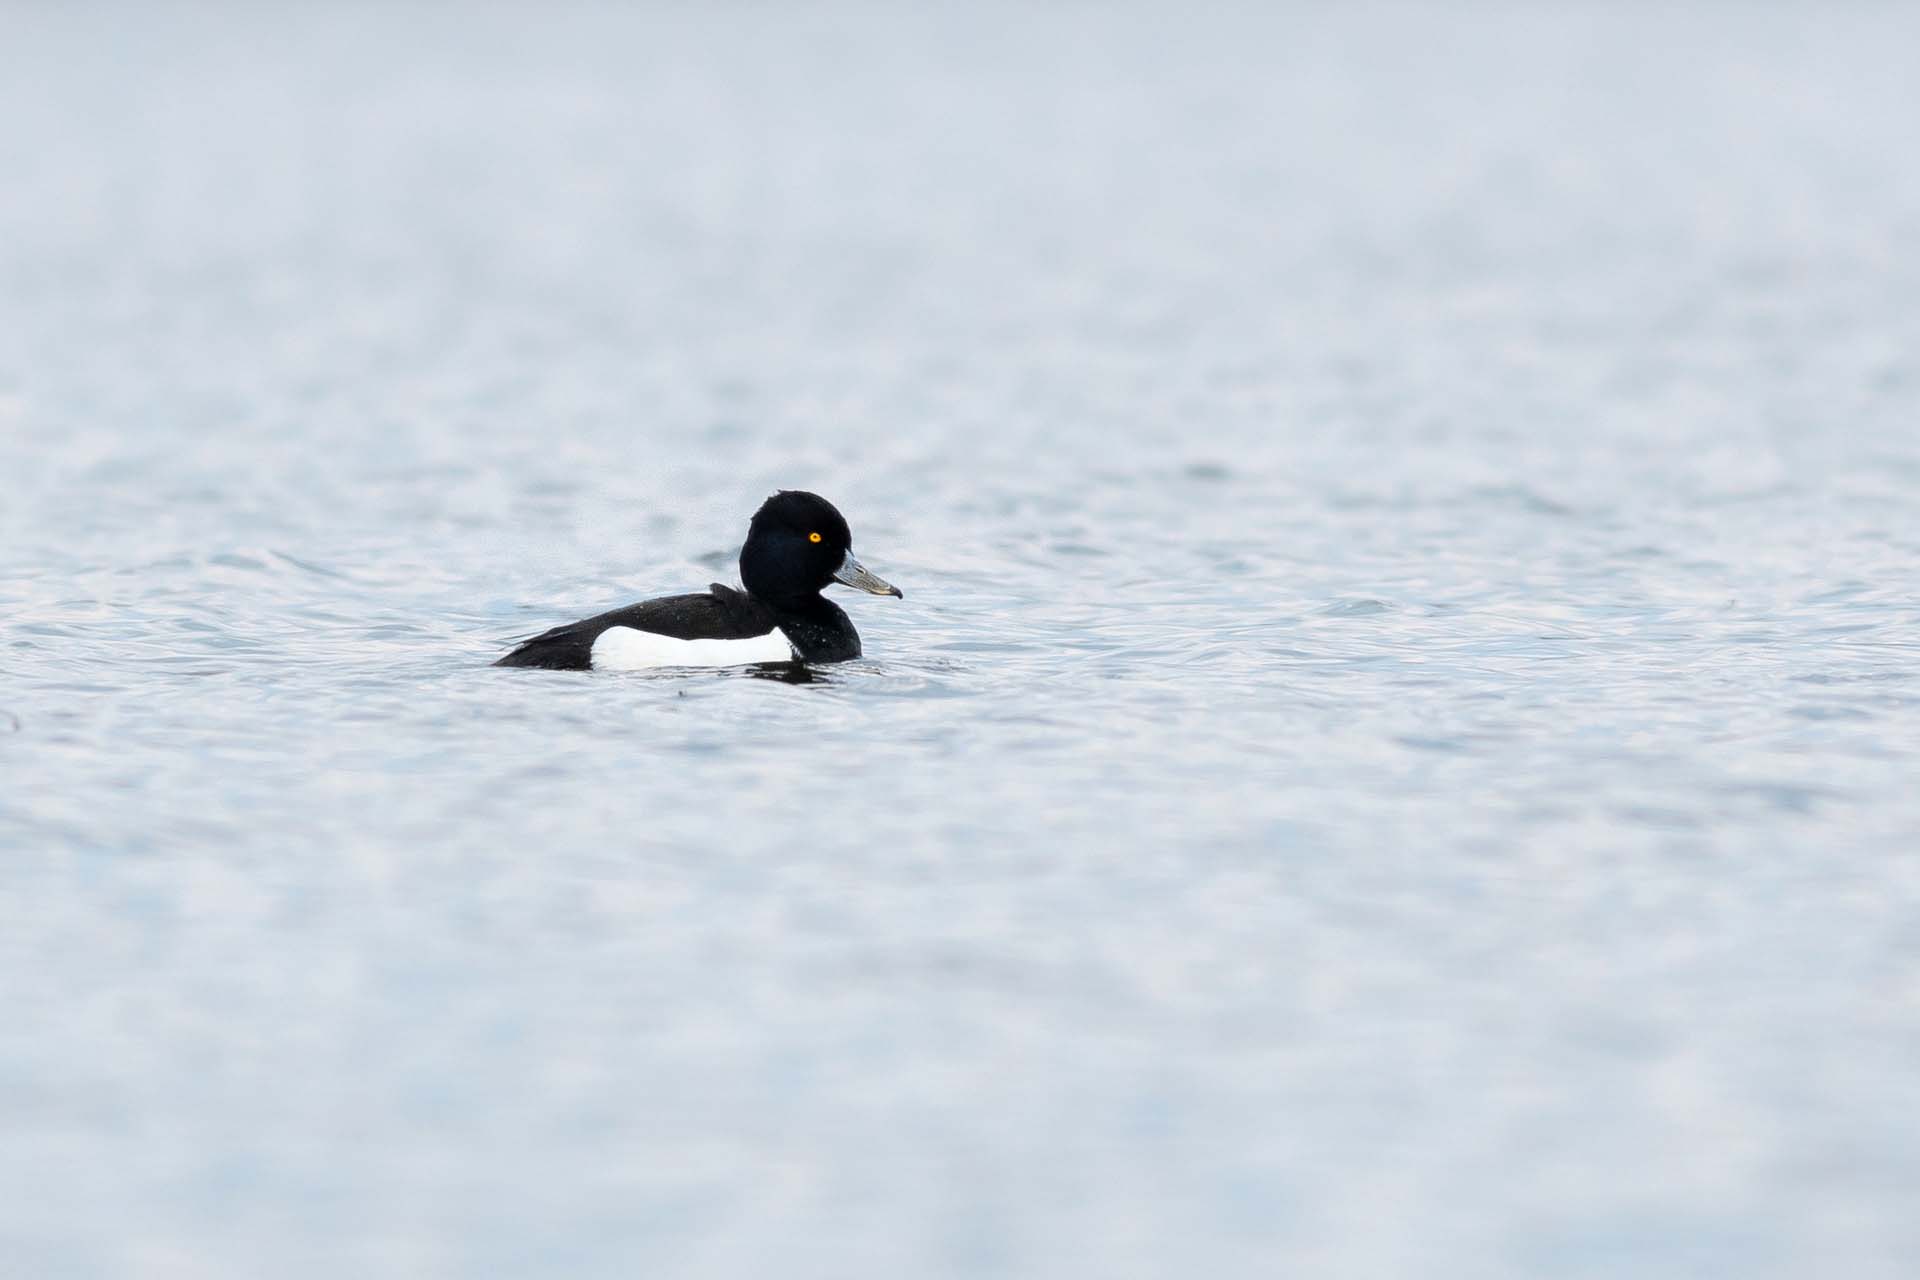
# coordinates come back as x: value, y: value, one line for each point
x: 813, y: 537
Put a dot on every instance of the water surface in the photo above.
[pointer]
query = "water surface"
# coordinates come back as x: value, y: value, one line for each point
x: 1398, y: 754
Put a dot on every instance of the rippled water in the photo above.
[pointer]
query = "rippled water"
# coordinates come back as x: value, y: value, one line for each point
x: 1398, y: 755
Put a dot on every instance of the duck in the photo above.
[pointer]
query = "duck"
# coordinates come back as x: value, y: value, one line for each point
x: 797, y: 544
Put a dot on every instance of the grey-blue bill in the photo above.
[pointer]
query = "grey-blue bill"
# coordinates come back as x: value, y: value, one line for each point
x: 854, y: 574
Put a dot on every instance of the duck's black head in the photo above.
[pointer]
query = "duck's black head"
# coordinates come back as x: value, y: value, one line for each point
x: 796, y: 545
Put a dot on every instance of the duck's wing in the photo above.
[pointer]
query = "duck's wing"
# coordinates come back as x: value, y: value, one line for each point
x: 721, y: 614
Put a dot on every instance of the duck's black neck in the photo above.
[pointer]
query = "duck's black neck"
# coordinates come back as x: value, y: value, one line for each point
x: 819, y: 629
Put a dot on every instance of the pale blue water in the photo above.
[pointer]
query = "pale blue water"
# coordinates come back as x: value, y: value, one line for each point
x: 1399, y: 754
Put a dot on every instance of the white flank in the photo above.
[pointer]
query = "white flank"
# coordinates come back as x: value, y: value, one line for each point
x: 627, y: 649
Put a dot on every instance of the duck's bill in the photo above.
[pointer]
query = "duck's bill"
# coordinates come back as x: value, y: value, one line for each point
x: 861, y: 578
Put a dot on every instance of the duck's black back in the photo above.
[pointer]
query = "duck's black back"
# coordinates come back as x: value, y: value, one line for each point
x: 721, y: 614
